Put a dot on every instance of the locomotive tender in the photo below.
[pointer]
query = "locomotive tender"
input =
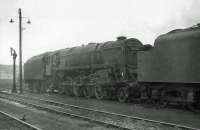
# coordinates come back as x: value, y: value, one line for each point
x: 169, y: 71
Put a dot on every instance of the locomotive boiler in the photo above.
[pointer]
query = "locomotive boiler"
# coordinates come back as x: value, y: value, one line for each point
x: 102, y: 70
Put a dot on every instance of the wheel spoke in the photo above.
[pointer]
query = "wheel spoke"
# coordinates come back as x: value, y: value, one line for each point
x: 99, y: 92
x: 76, y: 91
x: 87, y: 92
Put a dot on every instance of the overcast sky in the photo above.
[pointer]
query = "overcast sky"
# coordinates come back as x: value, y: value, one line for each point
x: 58, y: 24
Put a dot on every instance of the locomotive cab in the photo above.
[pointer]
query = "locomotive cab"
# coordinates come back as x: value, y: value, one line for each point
x: 120, y: 59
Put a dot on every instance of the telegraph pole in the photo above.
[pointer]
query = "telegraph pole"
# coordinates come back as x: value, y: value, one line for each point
x: 20, y: 47
x: 20, y: 51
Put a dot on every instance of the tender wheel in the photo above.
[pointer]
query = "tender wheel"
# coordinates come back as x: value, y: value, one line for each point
x: 190, y: 107
x: 122, y: 95
x: 76, y: 91
x: 99, y: 92
x: 87, y: 92
x: 163, y: 103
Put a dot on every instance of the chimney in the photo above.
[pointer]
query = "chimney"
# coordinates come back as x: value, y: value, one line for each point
x: 121, y: 38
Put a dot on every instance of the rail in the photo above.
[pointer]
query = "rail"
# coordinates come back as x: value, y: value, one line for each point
x: 100, y: 111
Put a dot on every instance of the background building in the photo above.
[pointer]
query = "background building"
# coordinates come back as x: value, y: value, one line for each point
x: 6, y: 72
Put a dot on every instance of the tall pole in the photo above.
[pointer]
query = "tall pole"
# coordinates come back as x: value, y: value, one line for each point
x: 20, y: 50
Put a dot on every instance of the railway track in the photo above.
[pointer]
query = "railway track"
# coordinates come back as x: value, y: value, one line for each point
x: 15, y: 123
x: 102, y: 117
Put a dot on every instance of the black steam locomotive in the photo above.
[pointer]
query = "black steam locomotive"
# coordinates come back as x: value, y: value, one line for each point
x: 123, y: 69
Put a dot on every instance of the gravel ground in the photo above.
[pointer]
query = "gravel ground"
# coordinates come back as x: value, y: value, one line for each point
x: 7, y: 123
x: 121, y: 121
x: 169, y: 115
x: 45, y: 120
